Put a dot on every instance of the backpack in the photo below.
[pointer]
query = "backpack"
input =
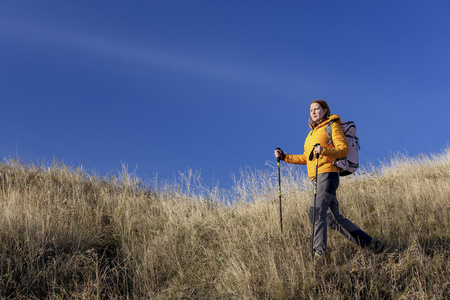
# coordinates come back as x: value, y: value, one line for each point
x: 350, y: 163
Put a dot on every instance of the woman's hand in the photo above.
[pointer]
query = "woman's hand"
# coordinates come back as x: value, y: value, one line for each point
x: 279, y: 154
x: 318, y: 149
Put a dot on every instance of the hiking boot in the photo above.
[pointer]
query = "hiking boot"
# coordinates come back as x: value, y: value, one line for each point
x: 376, y: 246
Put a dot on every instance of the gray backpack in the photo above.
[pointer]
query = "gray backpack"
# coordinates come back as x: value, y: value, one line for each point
x: 350, y: 163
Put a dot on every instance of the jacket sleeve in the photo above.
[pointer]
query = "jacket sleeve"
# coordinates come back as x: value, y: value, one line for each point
x: 340, y: 148
x: 299, y: 159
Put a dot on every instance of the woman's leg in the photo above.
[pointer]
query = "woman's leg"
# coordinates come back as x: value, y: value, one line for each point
x: 327, y: 183
x: 352, y: 232
x: 344, y: 226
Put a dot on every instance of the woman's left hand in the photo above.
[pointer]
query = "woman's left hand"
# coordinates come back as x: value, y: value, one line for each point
x: 318, y: 149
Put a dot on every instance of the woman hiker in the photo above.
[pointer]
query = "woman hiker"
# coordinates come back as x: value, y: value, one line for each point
x: 326, y: 208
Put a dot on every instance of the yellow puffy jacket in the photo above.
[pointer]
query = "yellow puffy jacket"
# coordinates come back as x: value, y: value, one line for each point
x: 329, y: 154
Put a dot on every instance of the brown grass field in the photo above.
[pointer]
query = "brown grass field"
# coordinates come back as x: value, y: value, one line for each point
x: 67, y: 234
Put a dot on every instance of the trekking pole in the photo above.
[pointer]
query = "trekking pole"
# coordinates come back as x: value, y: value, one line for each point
x: 315, y: 196
x: 279, y: 192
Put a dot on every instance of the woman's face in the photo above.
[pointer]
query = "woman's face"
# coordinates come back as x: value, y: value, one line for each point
x: 316, y: 112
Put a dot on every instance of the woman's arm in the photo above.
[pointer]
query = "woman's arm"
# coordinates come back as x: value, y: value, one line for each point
x: 340, y: 149
x: 299, y: 159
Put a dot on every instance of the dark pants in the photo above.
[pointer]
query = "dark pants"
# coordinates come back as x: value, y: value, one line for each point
x: 327, y: 213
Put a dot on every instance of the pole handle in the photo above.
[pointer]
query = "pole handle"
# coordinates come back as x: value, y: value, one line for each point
x: 278, y: 158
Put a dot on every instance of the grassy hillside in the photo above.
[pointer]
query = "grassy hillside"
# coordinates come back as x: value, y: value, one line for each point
x: 69, y: 234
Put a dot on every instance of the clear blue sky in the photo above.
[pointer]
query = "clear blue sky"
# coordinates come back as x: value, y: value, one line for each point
x: 217, y: 85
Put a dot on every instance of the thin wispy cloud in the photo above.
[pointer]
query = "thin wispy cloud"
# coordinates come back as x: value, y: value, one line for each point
x: 154, y: 56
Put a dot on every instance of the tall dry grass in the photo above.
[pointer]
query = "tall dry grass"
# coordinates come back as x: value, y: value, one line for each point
x: 67, y: 234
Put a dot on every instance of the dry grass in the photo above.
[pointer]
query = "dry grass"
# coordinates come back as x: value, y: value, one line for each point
x: 68, y: 234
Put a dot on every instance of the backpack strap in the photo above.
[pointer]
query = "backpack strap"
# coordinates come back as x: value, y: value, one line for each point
x: 329, y: 131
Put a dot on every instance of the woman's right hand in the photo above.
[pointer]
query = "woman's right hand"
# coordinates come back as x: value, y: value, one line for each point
x: 279, y: 154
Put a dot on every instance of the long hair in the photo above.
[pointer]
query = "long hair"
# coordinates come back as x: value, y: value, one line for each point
x: 324, y: 106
